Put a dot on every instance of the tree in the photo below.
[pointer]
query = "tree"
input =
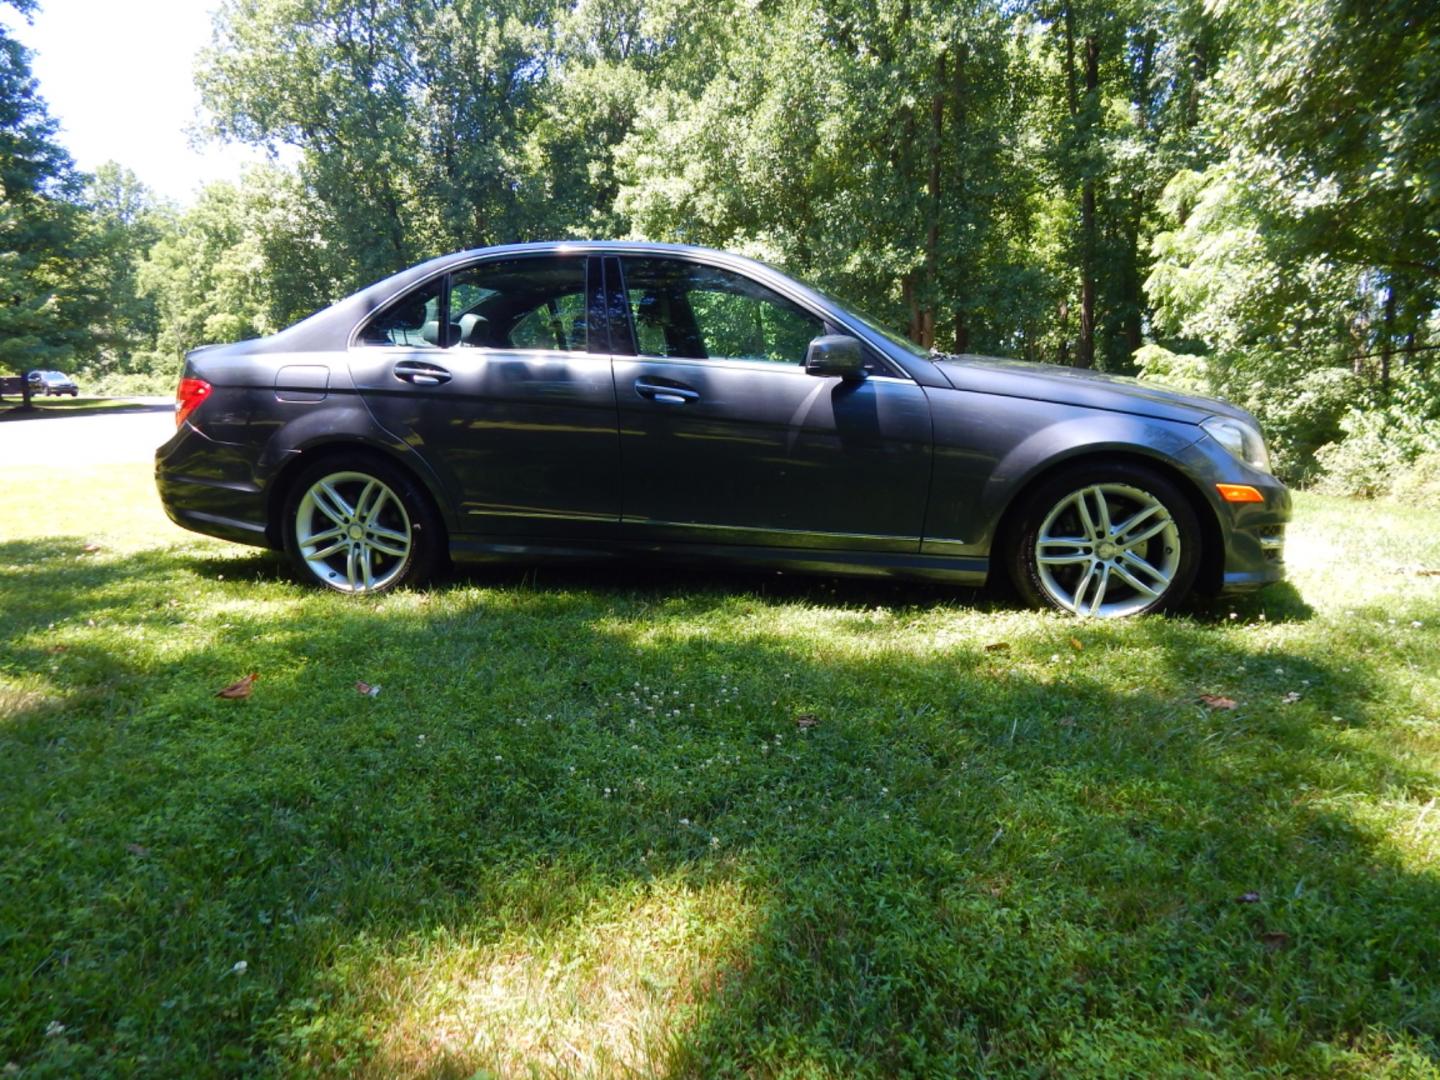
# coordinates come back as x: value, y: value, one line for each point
x: 123, y: 222
x: 40, y: 225
x: 1304, y: 264
x: 246, y: 260
x: 412, y: 121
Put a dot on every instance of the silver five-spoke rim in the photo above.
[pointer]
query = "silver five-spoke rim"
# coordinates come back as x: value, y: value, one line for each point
x: 1107, y: 550
x: 353, y: 532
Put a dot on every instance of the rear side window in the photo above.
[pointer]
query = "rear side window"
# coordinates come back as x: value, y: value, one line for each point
x: 519, y: 305
x: 413, y: 320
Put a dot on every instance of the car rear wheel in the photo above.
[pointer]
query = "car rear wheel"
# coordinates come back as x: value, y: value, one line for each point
x: 360, y: 527
x: 1106, y: 542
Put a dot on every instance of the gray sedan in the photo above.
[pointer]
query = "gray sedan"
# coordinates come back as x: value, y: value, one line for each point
x: 593, y: 400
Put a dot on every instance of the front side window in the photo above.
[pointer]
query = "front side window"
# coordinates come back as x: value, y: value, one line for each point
x: 534, y: 304
x: 689, y: 311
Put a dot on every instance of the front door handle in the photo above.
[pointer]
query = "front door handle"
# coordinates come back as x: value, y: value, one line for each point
x: 666, y: 395
x: 421, y: 374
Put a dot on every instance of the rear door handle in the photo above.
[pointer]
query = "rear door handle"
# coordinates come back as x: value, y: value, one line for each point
x: 421, y: 374
x: 666, y: 395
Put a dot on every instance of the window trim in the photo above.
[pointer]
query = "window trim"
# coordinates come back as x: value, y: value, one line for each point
x: 833, y: 319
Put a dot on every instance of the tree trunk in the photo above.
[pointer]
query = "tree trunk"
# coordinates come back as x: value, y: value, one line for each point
x: 1387, y: 341
x: 907, y: 291
x: 932, y: 191
x: 1062, y: 351
x: 1072, y: 93
x: 1140, y: 198
x: 1085, y: 348
x: 958, y: 192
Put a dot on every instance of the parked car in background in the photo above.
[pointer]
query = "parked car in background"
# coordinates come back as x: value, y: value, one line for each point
x: 592, y: 400
x: 52, y: 384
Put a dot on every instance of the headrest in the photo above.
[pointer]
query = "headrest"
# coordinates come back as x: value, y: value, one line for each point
x: 474, y: 330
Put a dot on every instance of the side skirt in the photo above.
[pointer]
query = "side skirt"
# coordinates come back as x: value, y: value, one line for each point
x: 953, y: 570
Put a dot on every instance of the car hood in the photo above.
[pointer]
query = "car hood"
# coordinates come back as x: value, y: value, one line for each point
x: 1074, y: 386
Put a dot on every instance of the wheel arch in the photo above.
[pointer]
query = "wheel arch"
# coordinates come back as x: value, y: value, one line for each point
x: 1211, y: 573
x: 347, y: 450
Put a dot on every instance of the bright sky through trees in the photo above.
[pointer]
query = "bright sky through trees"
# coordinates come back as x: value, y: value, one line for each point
x: 117, y: 75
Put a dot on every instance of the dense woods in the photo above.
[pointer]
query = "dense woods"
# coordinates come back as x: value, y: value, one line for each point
x: 1242, y: 198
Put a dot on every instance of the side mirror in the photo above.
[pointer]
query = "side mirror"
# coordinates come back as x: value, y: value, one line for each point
x: 835, y: 354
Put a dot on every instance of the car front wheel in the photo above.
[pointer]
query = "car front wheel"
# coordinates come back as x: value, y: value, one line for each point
x: 360, y: 528
x: 1107, y: 542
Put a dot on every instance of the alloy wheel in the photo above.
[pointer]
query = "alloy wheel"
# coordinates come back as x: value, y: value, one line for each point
x: 1107, y: 550
x: 352, y: 532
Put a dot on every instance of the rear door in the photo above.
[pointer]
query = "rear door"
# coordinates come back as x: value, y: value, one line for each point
x: 487, y: 372
x: 724, y: 438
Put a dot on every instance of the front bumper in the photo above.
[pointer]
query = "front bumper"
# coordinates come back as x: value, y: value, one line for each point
x: 1251, y: 536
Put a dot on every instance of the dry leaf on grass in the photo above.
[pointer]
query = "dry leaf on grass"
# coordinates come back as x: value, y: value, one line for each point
x: 1077, y: 644
x: 239, y: 689
x: 1215, y: 701
x: 1275, y: 939
x: 998, y: 646
x: 806, y: 720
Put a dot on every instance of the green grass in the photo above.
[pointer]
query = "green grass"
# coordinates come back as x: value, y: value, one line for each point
x: 42, y: 407
x: 579, y: 831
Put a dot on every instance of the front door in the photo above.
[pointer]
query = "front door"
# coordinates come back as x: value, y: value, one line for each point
x: 725, y: 439
x: 487, y: 373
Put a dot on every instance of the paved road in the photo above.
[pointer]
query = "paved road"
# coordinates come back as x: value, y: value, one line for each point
x: 114, y: 436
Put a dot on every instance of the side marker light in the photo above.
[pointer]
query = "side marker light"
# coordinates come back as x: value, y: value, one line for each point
x: 1239, y: 493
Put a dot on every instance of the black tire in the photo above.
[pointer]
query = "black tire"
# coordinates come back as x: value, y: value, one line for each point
x: 1070, y: 501
x: 403, y: 511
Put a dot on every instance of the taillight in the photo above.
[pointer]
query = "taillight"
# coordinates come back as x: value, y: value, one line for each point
x: 189, y: 396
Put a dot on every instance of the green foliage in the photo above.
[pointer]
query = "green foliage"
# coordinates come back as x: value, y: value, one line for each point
x: 157, y: 380
x: 1242, y: 198
x: 246, y: 260
x: 1390, y: 446
x: 42, y: 289
x: 1418, y: 483
x: 122, y: 223
x: 414, y: 123
x: 1314, y: 246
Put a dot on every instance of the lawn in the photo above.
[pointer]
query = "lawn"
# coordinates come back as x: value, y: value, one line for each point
x: 651, y: 823
x: 12, y: 408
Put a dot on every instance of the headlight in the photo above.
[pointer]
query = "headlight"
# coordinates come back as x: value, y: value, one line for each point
x: 1240, y: 439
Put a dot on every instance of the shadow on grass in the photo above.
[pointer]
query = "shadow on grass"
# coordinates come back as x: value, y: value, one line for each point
x: 1039, y: 859
x: 1279, y: 603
